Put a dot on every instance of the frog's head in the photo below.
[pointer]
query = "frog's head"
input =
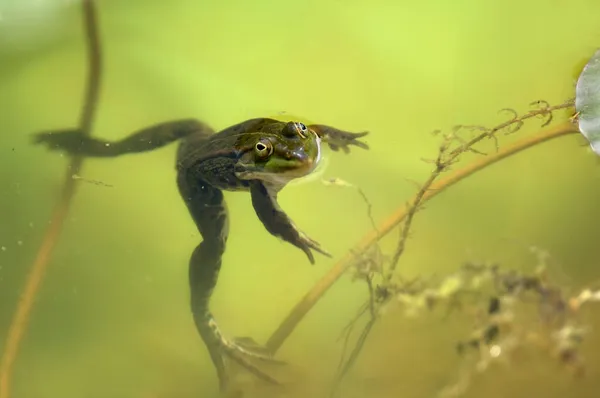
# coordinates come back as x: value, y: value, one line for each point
x: 280, y: 152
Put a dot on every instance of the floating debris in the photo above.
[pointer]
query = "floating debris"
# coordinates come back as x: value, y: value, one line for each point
x: 336, y: 181
x: 95, y: 182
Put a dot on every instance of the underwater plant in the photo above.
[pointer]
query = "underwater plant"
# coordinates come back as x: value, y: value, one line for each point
x: 20, y: 321
x: 500, y: 291
x: 500, y: 333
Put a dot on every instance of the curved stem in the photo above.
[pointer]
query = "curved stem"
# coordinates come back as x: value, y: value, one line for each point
x: 18, y: 325
x: 318, y: 290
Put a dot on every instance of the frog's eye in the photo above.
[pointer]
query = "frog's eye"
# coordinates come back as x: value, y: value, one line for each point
x: 263, y: 148
x: 301, y: 129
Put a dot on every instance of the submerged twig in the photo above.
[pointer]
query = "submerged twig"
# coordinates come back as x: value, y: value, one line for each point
x: 445, y: 158
x: 298, y: 312
x: 341, y: 183
x: 368, y: 262
x: 20, y: 319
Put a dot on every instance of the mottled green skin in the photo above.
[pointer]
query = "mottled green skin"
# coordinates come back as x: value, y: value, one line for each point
x: 228, y: 160
x: 259, y: 156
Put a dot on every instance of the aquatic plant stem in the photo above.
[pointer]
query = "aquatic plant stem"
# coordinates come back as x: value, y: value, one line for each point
x: 18, y: 326
x: 320, y: 288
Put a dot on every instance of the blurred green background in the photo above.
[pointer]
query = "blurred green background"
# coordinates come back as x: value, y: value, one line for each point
x: 112, y: 319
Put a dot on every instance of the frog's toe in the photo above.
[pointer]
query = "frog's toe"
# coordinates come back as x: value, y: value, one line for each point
x: 244, y: 363
x: 242, y: 350
x: 248, y: 347
x: 65, y: 140
x: 307, y: 244
x: 249, y: 343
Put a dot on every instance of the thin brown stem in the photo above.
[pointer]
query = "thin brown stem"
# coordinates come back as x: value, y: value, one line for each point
x: 18, y: 326
x: 445, y: 159
x: 320, y: 288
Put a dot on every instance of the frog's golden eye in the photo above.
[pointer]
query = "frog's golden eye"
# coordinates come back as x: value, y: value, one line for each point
x: 263, y: 148
x: 302, y: 129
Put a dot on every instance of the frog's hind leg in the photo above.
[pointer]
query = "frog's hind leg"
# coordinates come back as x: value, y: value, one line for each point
x: 74, y: 142
x: 209, y: 211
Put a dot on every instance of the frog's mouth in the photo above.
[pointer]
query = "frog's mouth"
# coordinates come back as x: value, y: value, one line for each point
x: 282, y: 173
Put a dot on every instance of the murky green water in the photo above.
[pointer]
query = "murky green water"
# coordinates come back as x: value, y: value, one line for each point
x: 112, y: 316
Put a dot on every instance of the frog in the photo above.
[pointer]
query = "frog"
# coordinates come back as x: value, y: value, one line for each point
x: 259, y: 156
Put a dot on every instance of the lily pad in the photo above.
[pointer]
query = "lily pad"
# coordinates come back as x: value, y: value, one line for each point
x: 587, y: 101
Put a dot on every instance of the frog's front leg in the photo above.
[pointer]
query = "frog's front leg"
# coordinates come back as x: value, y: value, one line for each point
x: 209, y: 211
x: 337, y: 138
x: 264, y: 201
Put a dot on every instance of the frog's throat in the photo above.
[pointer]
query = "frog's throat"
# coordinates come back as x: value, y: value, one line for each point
x: 280, y: 178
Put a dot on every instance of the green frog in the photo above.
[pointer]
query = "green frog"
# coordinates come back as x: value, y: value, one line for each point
x: 259, y: 156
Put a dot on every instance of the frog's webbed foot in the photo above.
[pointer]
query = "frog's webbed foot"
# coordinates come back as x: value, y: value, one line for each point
x: 306, y: 243
x: 264, y: 201
x: 248, y: 347
x: 339, y: 139
x: 250, y: 344
x: 70, y: 141
x: 243, y: 351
